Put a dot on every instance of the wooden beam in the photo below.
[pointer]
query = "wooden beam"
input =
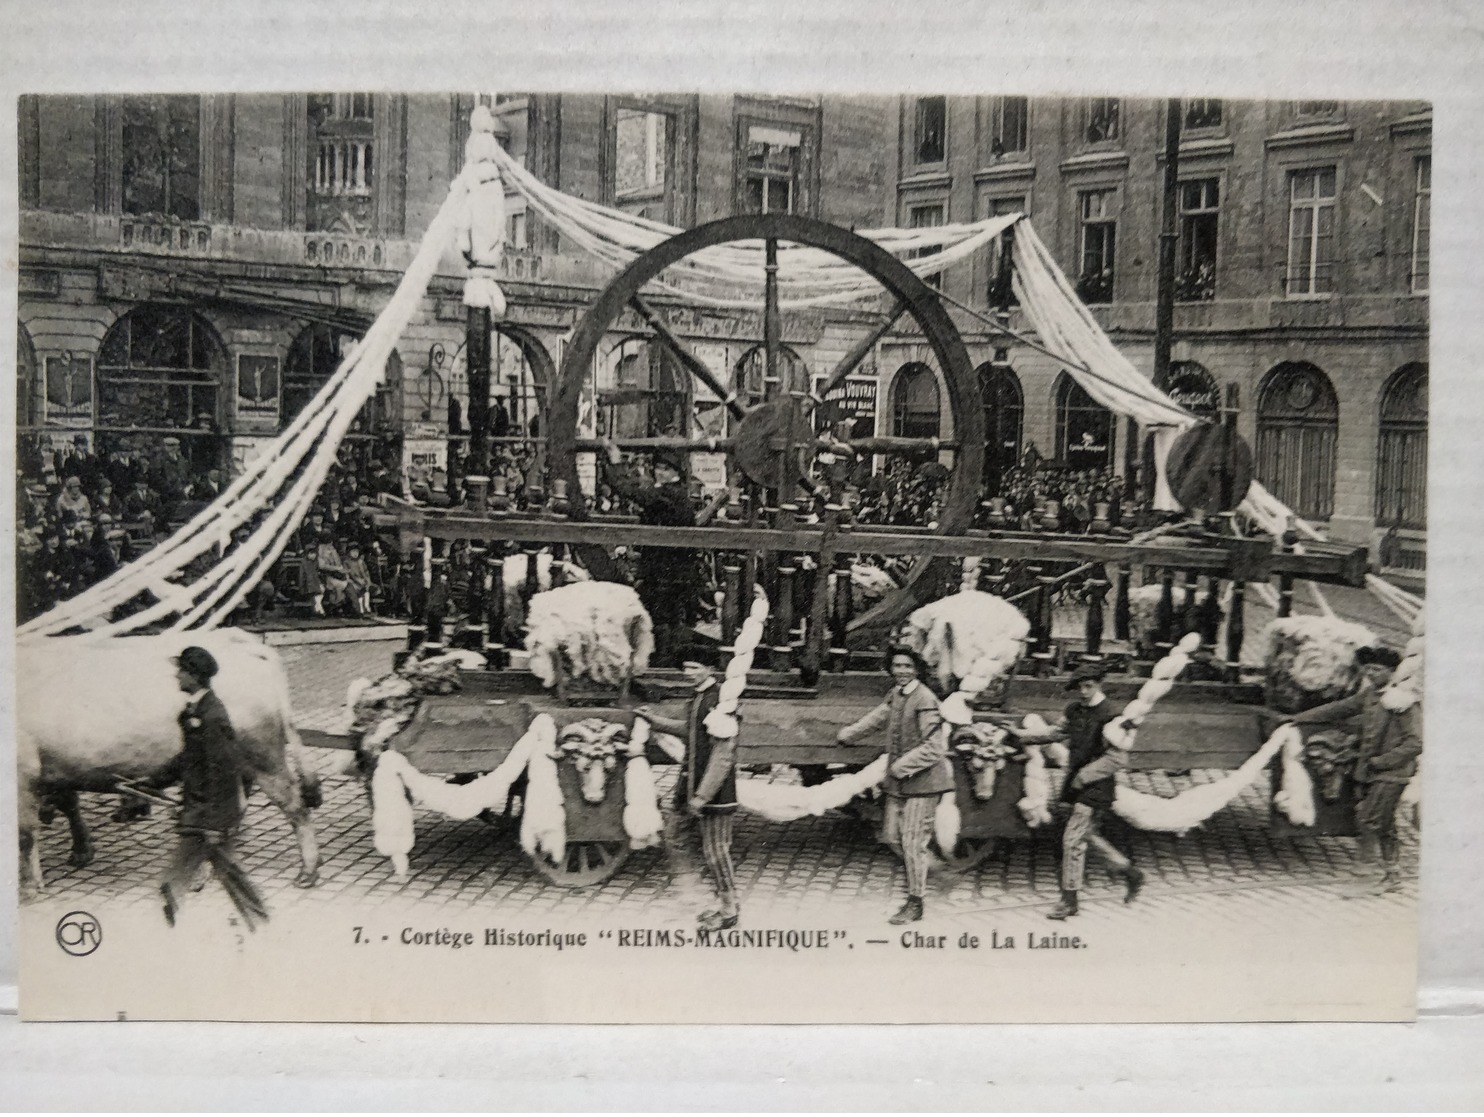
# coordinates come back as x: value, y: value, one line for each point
x: 693, y: 364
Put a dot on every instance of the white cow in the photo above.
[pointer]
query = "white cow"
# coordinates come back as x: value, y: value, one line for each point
x: 92, y: 710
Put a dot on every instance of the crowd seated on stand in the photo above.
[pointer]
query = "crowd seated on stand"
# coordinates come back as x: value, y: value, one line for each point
x: 82, y: 516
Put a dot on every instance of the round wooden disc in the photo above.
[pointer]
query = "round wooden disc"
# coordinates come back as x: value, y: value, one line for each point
x: 753, y: 443
x: 1196, y: 465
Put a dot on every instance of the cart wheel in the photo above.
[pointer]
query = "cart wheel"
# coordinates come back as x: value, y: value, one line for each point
x: 586, y: 864
x: 969, y: 854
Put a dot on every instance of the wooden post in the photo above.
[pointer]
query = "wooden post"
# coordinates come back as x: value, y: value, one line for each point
x: 1043, y: 607
x: 417, y: 600
x: 1236, y: 625
x: 437, y: 595
x: 478, y: 624
x: 1285, y: 581
x: 495, y: 611
x: 533, y: 574
x: 783, y: 647
x: 1097, y: 589
x: 841, y: 613
x: 1210, y: 615
x: 816, y: 646
x: 477, y: 362
x: 1164, y: 613
x: 1120, y: 603
x: 995, y: 581
x: 731, y: 599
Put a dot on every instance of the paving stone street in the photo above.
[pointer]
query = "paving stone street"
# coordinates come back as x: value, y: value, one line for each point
x: 1230, y: 871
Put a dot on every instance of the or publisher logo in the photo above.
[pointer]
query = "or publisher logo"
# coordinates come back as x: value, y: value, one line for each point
x: 79, y: 933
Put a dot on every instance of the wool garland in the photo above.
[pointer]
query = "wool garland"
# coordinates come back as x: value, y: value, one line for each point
x: 396, y: 785
x: 721, y: 722
x: 642, y: 820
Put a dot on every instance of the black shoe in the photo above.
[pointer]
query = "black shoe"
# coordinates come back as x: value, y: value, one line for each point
x: 1135, y: 881
x: 170, y: 908
x: 717, y: 921
x: 910, y: 912
x: 1066, y: 908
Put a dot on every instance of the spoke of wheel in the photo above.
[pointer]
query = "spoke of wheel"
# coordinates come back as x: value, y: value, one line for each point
x: 858, y: 353
x: 683, y: 354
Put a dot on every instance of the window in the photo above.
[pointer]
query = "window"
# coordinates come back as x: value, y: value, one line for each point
x: 1196, y: 278
x: 771, y: 172
x: 159, y: 366
x: 1401, y: 463
x: 518, y: 236
x: 643, y: 394
x: 1203, y: 113
x: 1004, y: 411
x: 929, y: 128
x: 641, y: 162
x: 312, y: 359
x: 1102, y: 119
x: 1422, y: 224
x: 1002, y: 207
x: 161, y: 156
x: 755, y: 386
x: 1311, y: 232
x: 29, y: 150
x: 341, y: 191
x: 1009, y: 125
x: 927, y: 217
x: 1297, y: 429
x: 914, y: 403
x: 1084, y: 428
x: 1099, y: 226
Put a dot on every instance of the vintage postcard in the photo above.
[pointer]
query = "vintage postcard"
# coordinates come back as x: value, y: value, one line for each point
x: 668, y: 557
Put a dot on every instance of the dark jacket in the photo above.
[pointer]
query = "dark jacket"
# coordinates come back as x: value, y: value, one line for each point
x: 1090, y: 755
x: 209, y: 767
x: 668, y: 577
x: 710, y: 770
x: 917, y: 752
x: 1390, y: 742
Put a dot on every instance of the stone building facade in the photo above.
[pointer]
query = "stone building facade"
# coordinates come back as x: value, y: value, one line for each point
x: 195, y: 265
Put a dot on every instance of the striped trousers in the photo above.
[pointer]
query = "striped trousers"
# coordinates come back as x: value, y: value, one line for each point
x: 712, y: 832
x: 1081, y: 832
x: 907, y: 828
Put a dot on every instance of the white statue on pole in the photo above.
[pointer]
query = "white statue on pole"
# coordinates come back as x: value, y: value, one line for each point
x: 483, y: 239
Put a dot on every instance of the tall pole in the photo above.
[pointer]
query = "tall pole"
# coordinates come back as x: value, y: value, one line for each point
x: 477, y: 354
x: 1169, y: 237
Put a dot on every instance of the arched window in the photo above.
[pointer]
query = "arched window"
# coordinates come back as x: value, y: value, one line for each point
x: 1084, y: 428
x: 27, y: 414
x: 750, y: 378
x: 160, y: 366
x: 1192, y: 387
x: 1401, y: 459
x: 1298, y: 422
x: 1004, y: 413
x: 519, y: 369
x: 642, y: 392
x: 914, y: 403
x: 313, y: 358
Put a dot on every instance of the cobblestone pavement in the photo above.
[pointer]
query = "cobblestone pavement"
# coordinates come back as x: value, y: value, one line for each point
x: 1230, y: 871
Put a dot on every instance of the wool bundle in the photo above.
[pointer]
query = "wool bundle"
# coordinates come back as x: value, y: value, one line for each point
x: 947, y: 821
x: 722, y: 721
x: 971, y: 636
x: 377, y: 711
x: 1311, y: 660
x: 868, y: 585
x: 543, y: 823
x: 1035, y: 800
x: 642, y: 820
x: 1143, y: 612
x: 598, y: 629
x: 550, y: 573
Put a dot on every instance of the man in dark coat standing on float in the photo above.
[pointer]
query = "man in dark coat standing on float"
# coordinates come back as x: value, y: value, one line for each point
x: 1090, y: 785
x: 668, y: 585
x: 210, y: 771
x: 705, y: 794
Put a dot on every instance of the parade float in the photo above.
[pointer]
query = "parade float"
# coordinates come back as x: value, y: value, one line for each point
x: 482, y: 717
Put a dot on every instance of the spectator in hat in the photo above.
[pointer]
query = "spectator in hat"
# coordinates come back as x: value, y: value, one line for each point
x: 359, y: 591
x: 142, y: 506
x: 1386, y: 760
x: 72, y: 503
x: 334, y: 582
x: 171, y: 477
x: 706, y: 793
x: 1092, y: 765
x: 210, y: 768
x: 918, y: 771
x: 106, y: 501
x: 668, y: 580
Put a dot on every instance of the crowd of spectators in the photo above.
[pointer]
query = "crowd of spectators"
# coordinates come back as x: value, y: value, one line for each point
x: 82, y: 515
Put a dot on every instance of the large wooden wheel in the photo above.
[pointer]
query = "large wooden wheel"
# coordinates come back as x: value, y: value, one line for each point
x: 760, y: 427
x: 586, y: 863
